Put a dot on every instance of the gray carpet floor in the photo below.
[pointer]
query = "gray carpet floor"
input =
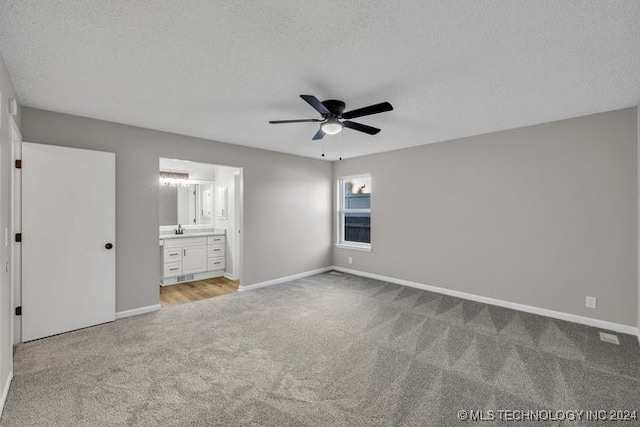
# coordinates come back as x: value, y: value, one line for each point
x: 330, y: 350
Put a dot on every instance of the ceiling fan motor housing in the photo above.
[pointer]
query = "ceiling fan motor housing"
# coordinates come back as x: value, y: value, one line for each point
x: 335, y: 107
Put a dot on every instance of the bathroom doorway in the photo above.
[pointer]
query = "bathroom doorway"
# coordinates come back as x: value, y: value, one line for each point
x: 200, y: 212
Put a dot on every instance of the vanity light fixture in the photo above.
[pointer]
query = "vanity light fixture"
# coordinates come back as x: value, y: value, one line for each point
x: 174, y: 179
x: 179, y: 179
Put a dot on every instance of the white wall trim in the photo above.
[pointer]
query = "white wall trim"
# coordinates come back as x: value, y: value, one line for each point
x: 638, y: 212
x: 136, y: 311
x: 230, y: 276
x: 5, y: 392
x: 285, y: 279
x: 602, y: 324
x: 346, y: 245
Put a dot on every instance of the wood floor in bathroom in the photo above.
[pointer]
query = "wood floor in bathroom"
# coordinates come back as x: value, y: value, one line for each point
x: 196, y: 291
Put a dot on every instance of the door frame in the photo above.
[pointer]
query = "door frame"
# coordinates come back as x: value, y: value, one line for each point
x: 238, y: 200
x: 236, y: 235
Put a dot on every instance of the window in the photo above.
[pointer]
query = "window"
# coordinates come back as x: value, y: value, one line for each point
x: 354, y: 211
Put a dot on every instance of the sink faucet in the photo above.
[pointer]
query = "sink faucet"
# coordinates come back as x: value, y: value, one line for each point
x: 180, y: 230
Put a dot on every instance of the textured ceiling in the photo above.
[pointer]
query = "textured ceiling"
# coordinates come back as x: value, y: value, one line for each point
x: 221, y: 69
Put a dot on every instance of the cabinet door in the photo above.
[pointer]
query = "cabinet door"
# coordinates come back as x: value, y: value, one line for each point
x: 194, y: 259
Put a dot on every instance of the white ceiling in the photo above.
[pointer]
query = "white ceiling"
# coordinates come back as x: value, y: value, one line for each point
x: 222, y: 69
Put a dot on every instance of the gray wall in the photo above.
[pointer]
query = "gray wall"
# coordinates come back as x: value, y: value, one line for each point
x: 287, y: 199
x: 543, y: 215
x: 6, y: 305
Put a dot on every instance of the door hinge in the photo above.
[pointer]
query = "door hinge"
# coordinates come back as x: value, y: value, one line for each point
x: 18, y: 237
x: 19, y: 310
x: 18, y: 164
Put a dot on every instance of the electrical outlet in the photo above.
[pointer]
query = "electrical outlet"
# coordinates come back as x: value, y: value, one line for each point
x: 350, y: 260
x: 591, y: 302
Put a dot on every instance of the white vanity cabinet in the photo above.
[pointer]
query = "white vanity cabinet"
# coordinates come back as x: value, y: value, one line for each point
x: 186, y: 255
x: 184, y: 259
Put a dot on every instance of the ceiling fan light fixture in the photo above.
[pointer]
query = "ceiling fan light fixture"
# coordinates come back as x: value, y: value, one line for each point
x: 331, y: 127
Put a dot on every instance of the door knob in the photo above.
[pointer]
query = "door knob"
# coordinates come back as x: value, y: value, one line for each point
x: 108, y: 246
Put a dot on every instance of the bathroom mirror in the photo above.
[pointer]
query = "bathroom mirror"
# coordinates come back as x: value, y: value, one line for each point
x: 186, y: 192
x: 186, y: 204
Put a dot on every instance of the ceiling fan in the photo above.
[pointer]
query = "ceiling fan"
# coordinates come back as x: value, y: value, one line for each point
x: 334, y: 118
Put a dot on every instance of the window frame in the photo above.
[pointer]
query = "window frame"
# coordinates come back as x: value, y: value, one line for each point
x: 341, y: 211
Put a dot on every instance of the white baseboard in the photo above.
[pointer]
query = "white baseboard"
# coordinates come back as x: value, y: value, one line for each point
x: 136, y: 311
x: 602, y: 324
x: 5, y: 392
x: 230, y: 276
x: 285, y: 279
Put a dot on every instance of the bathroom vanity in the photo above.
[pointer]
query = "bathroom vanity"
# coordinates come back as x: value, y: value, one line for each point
x: 192, y: 256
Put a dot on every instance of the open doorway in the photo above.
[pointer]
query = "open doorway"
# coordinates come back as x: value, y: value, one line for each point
x: 199, y: 232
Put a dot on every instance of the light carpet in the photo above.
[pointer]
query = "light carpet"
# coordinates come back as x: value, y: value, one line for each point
x: 330, y: 350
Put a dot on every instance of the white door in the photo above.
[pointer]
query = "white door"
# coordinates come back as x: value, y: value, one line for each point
x: 194, y: 259
x: 68, y: 239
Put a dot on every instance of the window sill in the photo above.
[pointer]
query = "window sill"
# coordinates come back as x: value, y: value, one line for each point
x: 357, y: 247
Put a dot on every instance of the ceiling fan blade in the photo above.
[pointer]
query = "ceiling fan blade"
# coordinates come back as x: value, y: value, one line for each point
x: 318, y: 135
x: 294, y: 121
x: 366, y: 111
x: 315, y: 103
x: 362, y: 128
